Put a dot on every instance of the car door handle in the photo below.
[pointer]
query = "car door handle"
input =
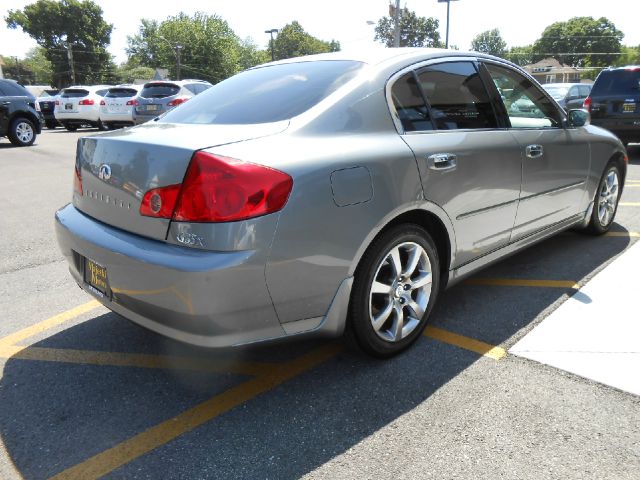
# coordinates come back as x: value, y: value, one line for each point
x: 534, y: 151
x: 442, y: 161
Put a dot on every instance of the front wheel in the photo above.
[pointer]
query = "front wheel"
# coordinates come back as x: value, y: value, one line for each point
x: 394, y: 290
x: 22, y: 133
x: 606, y: 201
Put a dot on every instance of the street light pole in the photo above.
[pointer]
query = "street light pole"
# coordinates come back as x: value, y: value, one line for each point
x: 271, y: 32
x: 396, y: 28
x: 446, y: 44
x: 178, y: 50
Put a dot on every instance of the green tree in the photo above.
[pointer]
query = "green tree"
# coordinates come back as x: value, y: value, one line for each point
x: 293, y: 41
x: 60, y: 25
x: 415, y: 31
x: 520, y: 55
x: 37, y: 61
x: 251, y: 55
x: 208, y: 47
x: 490, y: 42
x: 580, y: 42
x: 629, y: 56
x: 130, y: 72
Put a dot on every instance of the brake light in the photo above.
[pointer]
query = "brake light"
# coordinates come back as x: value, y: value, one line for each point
x: 86, y: 102
x: 102, y: 103
x: 133, y: 102
x: 220, y: 189
x: 177, y: 101
x: 587, y: 104
x: 77, y: 180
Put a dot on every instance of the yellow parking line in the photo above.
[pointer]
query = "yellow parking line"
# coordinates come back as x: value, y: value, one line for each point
x: 117, y: 359
x: 629, y: 204
x: 512, y: 282
x: 138, y: 445
x: 49, y: 323
x: 467, y: 343
x: 623, y: 234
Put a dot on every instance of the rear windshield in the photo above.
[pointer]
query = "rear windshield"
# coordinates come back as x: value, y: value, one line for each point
x: 266, y: 94
x: 74, y: 93
x: 617, y: 82
x: 159, y: 90
x: 121, y: 93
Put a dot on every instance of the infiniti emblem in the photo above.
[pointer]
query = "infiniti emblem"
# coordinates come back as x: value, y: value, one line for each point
x: 105, y: 172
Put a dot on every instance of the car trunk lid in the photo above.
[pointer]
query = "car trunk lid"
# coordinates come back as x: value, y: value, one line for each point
x: 117, y: 168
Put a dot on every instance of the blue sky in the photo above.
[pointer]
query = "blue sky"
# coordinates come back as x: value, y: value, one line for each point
x: 520, y: 21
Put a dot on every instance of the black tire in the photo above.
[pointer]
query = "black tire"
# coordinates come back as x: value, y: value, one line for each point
x: 22, y: 132
x: 102, y: 126
x: 70, y: 127
x: 51, y: 125
x: 360, y: 326
x: 601, y: 221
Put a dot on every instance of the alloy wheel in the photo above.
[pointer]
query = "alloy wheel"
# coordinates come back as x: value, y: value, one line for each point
x: 608, y: 198
x: 24, y: 132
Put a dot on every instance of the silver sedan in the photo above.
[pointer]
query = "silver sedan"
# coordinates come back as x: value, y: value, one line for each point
x: 330, y: 194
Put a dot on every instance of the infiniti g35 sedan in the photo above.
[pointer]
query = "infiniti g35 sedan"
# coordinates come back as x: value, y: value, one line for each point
x: 330, y: 194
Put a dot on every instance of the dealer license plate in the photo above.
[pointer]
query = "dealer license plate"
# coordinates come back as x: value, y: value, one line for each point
x: 628, y: 107
x: 95, y: 276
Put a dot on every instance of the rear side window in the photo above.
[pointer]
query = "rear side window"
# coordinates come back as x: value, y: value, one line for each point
x: 617, y: 82
x: 159, y: 90
x: 410, y: 105
x: 121, y: 93
x: 266, y: 94
x: 12, y: 89
x: 457, y: 97
x: 74, y: 93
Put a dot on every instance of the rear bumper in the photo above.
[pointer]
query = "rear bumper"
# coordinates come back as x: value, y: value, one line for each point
x: 202, y: 297
x: 83, y: 115
x: 625, y: 128
x: 125, y: 118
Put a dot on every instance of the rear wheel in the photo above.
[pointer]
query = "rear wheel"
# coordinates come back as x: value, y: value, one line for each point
x: 70, y: 127
x: 395, y: 288
x: 51, y: 125
x: 606, y: 201
x: 22, y: 133
x: 102, y: 126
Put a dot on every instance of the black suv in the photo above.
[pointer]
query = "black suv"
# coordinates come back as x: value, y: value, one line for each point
x: 19, y: 119
x: 614, y: 102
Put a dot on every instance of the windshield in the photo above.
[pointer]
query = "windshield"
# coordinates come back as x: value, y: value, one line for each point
x: 266, y: 94
x: 558, y: 93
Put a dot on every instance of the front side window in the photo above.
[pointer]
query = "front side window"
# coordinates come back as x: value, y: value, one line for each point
x: 457, y: 96
x: 527, y: 106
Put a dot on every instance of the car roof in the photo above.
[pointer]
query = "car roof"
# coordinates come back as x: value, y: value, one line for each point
x: 380, y: 55
x: 91, y: 88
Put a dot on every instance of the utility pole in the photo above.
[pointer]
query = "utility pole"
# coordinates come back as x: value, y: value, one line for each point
x: 71, y: 67
x: 17, y: 69
x: 178, y: 60
x: 396, y: 28
x: 271, y: 32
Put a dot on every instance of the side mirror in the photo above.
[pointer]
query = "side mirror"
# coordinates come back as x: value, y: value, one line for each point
x: 578, y: 118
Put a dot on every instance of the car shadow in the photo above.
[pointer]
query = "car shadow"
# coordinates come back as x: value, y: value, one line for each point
x: 55, y: 415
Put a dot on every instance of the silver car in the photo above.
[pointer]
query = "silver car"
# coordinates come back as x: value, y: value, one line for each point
x: 160, y: 96
x: 329, y: 194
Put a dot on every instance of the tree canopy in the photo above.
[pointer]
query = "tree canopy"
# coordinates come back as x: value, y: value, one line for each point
x: 490, y: 42
x: 293, y: 41
x: 60, y: 25
x: 580, y: 42
x: 415, y: 31
x: 208, y: 47
x: 520, y: 55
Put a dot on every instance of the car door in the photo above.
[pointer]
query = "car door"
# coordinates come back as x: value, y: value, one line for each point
x: 555, y: 159
x: 468, y: 165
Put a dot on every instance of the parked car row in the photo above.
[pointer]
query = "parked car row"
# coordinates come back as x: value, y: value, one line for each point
x: 107, y: 107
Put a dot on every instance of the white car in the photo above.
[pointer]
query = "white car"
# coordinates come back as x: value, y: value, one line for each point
x: 116, y: 108
x: 79, y: 106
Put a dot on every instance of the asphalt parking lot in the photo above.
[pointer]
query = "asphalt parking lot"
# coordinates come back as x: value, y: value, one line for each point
x: 86, y: 394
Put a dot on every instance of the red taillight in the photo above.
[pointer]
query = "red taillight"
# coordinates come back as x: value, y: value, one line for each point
x: 86, y: 102
x: 57, y: 102
x: 102, y: 103
x: 587, y: 104
x: 133, y: 102
x: 77, y: 180
x: 177, y: 101
x: 220, y: 189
